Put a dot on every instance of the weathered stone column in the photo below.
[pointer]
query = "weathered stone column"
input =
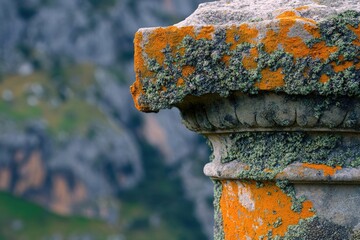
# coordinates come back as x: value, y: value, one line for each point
x: 274, y: 85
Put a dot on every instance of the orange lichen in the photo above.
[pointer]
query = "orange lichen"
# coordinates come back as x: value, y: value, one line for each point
x: 136, y: 90
x: 140, y: 71
x: 327, y: 170
x: 281, y: 35
x: 250, y: 212
x: 157, y: 41
x: 249, y: 60
x: 180, y: 82
x: 313, y: 30
x: 159, y: 38
x: 302, y: 8
x: 322, y: 51
x: 292, y: 45
x: 226, y: 59
x: 295, y: 45
x: 139, y: 62
x: 357, y: 33
x: 188, y: 70
x: 324, y: 78
x: 232, y: 35
x: 293, y: 16
x: 172, y: 36
x: 357, y: 66
x: 163, y: 89
x: 270, y: 79
x: 248, y: 34
x: 236, y: 35
x: 206, y: 32
x: 271, y: 41
x: 342, y: 66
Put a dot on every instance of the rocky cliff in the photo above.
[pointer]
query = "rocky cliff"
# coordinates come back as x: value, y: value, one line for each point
x: 70, y: 139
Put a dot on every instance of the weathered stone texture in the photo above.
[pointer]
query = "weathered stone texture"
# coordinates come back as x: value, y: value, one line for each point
x: 275, y: 87
x: 300, y: 49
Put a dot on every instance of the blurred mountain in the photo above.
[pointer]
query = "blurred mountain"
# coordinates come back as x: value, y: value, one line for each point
x: 70, y: 138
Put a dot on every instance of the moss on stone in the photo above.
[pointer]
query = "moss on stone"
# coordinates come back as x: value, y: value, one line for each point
x: 289, y: 189
x: 268, y: 153
x: 355, y: 235
x: 278, y: 222
x: 209, y: 143
x: 302, y: 75
x: 316, y: 228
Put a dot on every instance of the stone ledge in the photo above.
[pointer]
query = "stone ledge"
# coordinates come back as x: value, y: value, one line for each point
x: 230, y: 12
x: 294, y: 173
x: 290, y: 53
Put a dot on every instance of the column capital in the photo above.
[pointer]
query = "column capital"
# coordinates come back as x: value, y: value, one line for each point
x: 297, y: 47
x: 275, y: 87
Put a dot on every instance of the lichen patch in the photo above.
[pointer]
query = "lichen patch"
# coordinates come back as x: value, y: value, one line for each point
x: 251, y: 211
x: 327, y: 170
x: 291, y: 54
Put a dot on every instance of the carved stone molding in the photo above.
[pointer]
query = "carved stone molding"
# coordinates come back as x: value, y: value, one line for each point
x: 271, y: 112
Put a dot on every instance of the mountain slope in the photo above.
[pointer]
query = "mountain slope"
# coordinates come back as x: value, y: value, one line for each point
x: 70, y: 138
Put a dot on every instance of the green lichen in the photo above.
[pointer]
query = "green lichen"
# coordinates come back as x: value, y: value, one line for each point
x: 316, y: 228
x: 289, y: 189
x: 268, y: 153
x: 260, y: 184
x: 355, y: 235
x: 212, y: 75
x: 212, y: 156
x: 278, y: 222
x: 218, y: 228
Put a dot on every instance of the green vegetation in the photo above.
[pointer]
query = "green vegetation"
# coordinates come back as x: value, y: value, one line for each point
x: 20, y: 219
x: 161, y: 195
x: 36, y: 97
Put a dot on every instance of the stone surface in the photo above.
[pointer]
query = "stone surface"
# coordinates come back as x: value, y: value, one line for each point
x: 230, y: 12
x: 297, y: 50
x: 274, y: 86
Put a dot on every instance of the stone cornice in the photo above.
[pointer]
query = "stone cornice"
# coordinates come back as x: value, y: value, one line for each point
x: 290, y: 53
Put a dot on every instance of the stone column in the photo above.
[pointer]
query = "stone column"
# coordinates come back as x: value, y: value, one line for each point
x: 274, y: 85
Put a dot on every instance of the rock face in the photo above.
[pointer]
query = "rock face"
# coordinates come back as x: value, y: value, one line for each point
x: 73, y: 149
x: 34, y: 169
x: 275, y: 87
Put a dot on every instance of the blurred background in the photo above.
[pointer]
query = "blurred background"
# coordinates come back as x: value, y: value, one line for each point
x: 77, y: 161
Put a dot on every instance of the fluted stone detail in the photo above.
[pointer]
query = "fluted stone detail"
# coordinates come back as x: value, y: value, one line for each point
x: 271, y: 112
